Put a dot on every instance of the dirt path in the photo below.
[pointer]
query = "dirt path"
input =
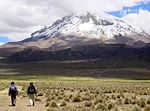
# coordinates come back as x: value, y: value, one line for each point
x: 21, y: 105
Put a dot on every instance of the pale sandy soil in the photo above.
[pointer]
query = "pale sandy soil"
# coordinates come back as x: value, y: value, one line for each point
x: 21, y: 105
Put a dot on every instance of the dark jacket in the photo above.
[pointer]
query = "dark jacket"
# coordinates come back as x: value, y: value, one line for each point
x: 31, y: 90
x: 13, y: 90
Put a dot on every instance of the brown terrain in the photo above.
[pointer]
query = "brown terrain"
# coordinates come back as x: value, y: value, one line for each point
x: 22, y: 103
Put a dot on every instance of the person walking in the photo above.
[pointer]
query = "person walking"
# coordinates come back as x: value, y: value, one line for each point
x: 31, y: 92
x: 13, y: 92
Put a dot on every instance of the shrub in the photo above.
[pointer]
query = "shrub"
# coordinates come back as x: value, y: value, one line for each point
x: 135, y: 108
x: 86, y: 97
x: 127, y: 101
x: 60, y: 97
x: 52, y: 97
x: 53, y: 104
x: 134, y: 97
x: 133, y: 102
x: 145, y: 93
x: 70, y: 96
x: 148, y: 101
x: 72, y: 90
x: 113, y: 97
x: 110, y: 106
x: 147, y: 108
x: 101, y: 107
x: 119, y: 101
x: 87, y: 93
x: 118, y: 96
x: 80, y: 90
x: 38, y: 99
x: 47, y: 104
x: 67, y: 99
x: 24, y: 95
x: 40, y: 94
x: 122, y: 95
x: 76, y: 99
x: 98, y: 100
x: 142, y: 102
x: 63, y: 103
x: 88, y: 103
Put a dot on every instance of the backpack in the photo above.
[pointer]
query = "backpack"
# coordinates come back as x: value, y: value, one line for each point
x: 13, y: 88
x: 31, y: 89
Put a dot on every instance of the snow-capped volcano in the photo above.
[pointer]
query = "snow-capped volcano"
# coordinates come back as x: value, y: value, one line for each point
x: 93, y: 26
x: 81, y: 37
x: 84, y: 28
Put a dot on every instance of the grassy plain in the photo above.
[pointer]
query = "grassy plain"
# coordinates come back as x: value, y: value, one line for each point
x: 77, y: 87
x: 64, y: 93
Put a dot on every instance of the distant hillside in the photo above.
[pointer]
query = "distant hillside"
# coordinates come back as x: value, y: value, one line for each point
x: 106, y: 53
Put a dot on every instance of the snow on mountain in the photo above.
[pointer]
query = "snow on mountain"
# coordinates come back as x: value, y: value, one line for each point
x: 93, y: 26
x: 84, y: 28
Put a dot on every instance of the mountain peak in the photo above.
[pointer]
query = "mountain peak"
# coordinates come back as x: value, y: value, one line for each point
x: 92, y: 25
x: 82, y: 36
x: 84, y: 28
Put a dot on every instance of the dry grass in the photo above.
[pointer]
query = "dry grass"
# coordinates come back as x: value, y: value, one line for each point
x: 92, y: 96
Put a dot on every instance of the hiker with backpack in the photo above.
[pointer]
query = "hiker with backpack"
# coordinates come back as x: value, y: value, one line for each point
x: 13, y: 92
x: 31, y: 92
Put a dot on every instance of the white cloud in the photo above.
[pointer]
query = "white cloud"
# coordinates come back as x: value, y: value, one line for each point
x: 82, y: 5
x: 1, y: 43
x: 140, y: 19
x: 19, y: 18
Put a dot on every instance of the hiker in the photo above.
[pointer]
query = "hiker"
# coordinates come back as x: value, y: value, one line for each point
x: 13, y: 92
x: 31, y: 91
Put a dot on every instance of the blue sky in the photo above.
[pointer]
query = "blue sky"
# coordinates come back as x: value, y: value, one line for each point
x: 4, y: 40
x: 134, y: 9
x: 19, y: 18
